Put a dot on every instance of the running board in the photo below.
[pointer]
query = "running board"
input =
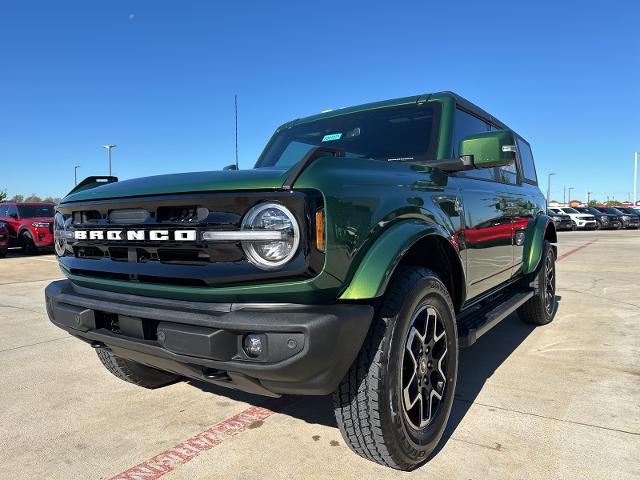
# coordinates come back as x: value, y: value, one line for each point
x: 472, y: 325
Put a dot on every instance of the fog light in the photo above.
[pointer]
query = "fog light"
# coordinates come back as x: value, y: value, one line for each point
x: 252, y: 345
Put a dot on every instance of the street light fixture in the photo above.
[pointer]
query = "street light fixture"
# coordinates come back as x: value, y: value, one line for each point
x: 549, y: 188
x: 109, y: 147
x: 75, y: 174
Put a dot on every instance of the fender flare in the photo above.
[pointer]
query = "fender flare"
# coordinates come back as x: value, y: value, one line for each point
x: 534, y: 237
x: 379, y: 263
x: 24, y: 230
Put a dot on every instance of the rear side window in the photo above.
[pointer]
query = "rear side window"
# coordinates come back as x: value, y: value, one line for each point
x: 3, y: 210
x: 526, y: 158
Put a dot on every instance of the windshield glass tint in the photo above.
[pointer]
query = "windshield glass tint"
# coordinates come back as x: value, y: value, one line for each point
x: 571, y: 210
x: 35, y: 211
x: 394, y: 133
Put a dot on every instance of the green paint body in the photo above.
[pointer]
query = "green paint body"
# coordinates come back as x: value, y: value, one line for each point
x: 375, y: 212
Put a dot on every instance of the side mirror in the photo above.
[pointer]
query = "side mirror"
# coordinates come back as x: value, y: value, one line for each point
x: 231, y: 167
x: 489, y: 149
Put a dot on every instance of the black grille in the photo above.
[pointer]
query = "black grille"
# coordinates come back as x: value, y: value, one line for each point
x: 194, y: 263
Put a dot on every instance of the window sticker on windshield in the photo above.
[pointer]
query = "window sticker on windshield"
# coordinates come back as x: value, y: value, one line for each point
x: 332, y: 136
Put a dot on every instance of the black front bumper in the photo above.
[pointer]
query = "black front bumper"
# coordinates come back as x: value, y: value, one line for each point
x: 307, y: 349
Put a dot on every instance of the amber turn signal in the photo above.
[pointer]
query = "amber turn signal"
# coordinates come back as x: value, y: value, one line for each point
x: 320, y: 233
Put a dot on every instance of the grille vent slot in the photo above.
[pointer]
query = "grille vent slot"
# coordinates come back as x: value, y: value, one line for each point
x: 128, y: 216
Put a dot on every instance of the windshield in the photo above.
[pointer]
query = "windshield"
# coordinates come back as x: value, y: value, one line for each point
x: 613, y: 210
x: 570, y: 210
x: 35, y: 211
x: 406, y: 132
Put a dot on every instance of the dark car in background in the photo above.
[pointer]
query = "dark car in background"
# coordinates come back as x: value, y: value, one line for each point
x: 4, y: 239
x: 629, y: 220
x: 561, y: 221
x: 603, y: 220
x: 30, y: 225
x: 629, y: 211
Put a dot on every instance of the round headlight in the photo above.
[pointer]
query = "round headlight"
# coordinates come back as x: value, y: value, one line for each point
x: 58, y: 234
x: 271, y: 253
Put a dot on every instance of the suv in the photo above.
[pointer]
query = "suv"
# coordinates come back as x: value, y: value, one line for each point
x: 30, y: 225
x: 633, y: 214
x: 4, y: 239
x: 629, y: 220
x: 561, y: 221
x: 603, y: 220
x: 580, y: 220
x: 365, y: 246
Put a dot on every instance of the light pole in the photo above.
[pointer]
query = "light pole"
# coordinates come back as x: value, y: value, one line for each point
x: 549, y: 187
x: 75, y: 174
x: 109, y: 147
x: 635, y: 179
x: 570, y: 188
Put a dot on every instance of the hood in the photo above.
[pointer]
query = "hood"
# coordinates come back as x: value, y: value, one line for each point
x: 227, y: 180
x: 38, y: 219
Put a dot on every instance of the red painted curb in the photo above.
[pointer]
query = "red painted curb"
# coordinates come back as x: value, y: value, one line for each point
x: 186, y: 451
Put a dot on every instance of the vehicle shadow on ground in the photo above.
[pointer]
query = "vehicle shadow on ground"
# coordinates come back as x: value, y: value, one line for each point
x: 477, y: 365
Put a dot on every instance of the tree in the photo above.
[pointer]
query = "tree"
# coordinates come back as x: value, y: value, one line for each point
x: 55, y: 200
x: 614, y: 203
x: 3, y: 195
x: 33, y: 198
x: 18, y: 198
x: 593, y: 203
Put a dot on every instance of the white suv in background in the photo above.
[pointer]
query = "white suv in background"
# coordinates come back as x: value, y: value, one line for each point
x: 580, y: 220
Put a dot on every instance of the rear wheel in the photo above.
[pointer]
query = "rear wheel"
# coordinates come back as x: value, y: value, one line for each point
x: 541, y: 308
x: 574, y: 226
x: 134, y: 372
x: 393, y: 405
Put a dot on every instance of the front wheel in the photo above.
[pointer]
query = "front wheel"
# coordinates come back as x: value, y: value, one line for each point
x: 574, y: 226
x: 27, y: 244
x: 393, y: 405
x: 134, y: 372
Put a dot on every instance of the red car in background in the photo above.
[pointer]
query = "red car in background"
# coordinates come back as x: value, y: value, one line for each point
x: 4, y: 239
x: 29, y: 225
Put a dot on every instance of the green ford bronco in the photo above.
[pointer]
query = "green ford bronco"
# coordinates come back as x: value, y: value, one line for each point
x: 363, y: 249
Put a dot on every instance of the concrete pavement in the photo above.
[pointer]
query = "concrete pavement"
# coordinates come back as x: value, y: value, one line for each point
x: 560, y: 401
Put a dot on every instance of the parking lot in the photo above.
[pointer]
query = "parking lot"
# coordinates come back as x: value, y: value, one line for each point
x: 560, y: 401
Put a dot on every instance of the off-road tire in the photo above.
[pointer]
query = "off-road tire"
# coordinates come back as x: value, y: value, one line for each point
x: 27, y: 244
x: 134, y: 372
x: 574, y: 226
x: 536, y: 310
x: 368, y: 402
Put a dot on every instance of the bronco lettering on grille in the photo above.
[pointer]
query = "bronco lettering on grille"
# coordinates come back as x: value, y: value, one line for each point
x: 137, y: 235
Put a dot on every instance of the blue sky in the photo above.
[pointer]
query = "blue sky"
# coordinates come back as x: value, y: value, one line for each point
x: 158, y: 79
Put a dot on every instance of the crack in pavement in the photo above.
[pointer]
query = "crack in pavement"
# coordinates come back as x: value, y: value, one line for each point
x: 34, y: 344
x: 464, y: 400
x: 21, y: 308
x: 613, y: 300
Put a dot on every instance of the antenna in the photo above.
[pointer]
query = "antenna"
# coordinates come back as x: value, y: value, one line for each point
x: 236, y: 102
